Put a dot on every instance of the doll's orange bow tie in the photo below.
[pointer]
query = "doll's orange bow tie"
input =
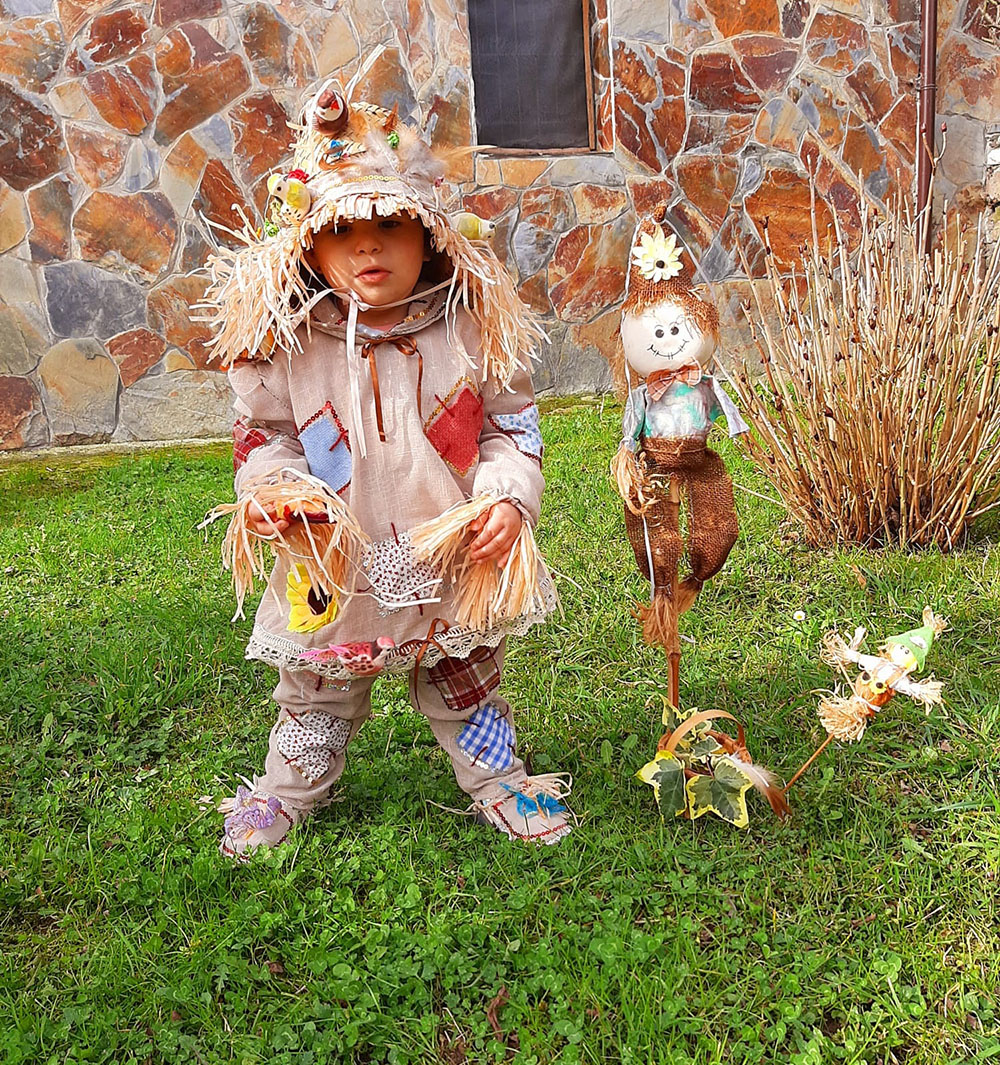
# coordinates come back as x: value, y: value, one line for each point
x: 657, y: 383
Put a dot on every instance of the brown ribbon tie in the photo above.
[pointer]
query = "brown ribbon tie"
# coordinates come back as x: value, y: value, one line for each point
x: 408, y: 346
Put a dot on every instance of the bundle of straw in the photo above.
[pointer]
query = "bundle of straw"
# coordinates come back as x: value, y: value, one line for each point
x: 324, y: 536
x: 628, y: 479
x: 485, y: 592
x: 877, y: 417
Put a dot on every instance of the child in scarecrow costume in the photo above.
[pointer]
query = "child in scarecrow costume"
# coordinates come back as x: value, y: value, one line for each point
x: 668, y: 339
x: 387, y: 451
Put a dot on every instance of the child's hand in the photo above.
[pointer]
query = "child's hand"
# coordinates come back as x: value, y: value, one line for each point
x: 498, y: 528
x: 268, y: 524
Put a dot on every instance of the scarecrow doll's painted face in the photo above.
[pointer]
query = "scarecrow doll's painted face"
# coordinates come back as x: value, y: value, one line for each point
x: 665, y: 336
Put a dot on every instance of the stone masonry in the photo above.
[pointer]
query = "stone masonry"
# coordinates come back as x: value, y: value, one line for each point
x: 124, y: 126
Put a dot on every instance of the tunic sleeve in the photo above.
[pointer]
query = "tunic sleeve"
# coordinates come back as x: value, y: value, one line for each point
x: 510, y: 446
x: 264, y: 434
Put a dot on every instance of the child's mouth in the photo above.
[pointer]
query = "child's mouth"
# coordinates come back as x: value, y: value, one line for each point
x: 373, y: 275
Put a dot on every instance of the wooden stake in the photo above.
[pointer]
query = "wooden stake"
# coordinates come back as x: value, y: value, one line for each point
x: 674, y: 645
x: 819, y: 750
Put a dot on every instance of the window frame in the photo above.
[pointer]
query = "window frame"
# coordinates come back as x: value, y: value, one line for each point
x: 496, y: 152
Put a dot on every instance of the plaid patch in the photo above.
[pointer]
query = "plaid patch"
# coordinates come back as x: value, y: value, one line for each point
x: 465, y: 682
x: 488, y: 739
x: 454, y: 426
x: 247, y: 439
x: 522, y: 428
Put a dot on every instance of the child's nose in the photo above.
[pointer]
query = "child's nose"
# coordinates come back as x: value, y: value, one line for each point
x: 368, y: 242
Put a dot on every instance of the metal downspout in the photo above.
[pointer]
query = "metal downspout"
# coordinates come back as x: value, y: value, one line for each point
x: 927, y: 93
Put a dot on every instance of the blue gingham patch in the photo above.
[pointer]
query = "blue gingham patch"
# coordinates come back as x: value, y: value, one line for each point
x: 522, y: 428
x: 488, y: 739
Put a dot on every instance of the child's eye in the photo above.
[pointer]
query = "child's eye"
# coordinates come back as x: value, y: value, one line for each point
x: 388, y: 223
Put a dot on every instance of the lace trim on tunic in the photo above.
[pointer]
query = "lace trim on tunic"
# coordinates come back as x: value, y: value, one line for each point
x: 456, y: 642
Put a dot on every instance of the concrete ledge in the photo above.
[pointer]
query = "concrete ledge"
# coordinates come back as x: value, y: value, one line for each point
x: 85, y: 451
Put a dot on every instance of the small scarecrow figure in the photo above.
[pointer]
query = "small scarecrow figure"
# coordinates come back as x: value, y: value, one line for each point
x: 845, y: 717
x: 668, y: 339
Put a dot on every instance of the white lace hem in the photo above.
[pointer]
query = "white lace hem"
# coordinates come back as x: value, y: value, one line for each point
x: 279, y: 651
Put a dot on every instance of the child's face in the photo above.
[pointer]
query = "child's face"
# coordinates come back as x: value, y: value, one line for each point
x: 380, y: 259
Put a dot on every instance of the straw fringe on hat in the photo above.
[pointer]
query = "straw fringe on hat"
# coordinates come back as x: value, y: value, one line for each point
x: 373, y: 165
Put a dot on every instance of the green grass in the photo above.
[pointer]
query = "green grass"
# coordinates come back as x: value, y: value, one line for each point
x: 865, y: 930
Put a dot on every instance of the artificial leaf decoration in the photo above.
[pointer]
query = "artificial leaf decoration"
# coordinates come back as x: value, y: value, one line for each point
x: 671, y: 716
x: 666, y: 774
x: 698, y: 770
x: 722, y: 793
x: 703, y: 747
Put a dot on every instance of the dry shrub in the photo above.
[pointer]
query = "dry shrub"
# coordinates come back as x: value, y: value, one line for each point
x: 876, y: 414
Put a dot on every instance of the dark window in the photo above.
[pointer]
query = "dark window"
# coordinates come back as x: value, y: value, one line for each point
x: 531, y: 73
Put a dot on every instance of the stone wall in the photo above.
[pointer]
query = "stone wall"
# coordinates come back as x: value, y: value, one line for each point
x: 122, y: 125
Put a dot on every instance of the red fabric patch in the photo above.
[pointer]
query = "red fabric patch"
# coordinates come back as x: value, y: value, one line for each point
x: 455, y: 426
x: 466, y: 682
x: 245, y: 440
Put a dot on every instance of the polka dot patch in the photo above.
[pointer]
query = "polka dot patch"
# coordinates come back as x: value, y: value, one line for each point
x: 522, y: 428
x: 308, y: 742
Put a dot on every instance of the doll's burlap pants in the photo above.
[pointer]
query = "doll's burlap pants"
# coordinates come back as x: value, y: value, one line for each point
x: 458, y: 696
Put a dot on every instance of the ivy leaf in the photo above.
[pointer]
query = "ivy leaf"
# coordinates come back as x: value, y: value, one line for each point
x: 671, y: 715
x: 703, y: 748
x: 723, y: 794
x: 666, y: 774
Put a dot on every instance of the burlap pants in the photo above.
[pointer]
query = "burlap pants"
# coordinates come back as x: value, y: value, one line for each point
x: 316, y: 723
x: 711, y: 514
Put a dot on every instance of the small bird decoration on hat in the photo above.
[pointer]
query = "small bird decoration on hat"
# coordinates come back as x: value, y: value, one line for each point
x: 473, y: 227
x: 329, y: 111
x: 292, y: 195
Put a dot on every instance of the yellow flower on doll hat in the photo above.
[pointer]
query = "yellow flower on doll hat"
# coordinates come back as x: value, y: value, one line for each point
x: 657, y: 256
x: 309, y: 608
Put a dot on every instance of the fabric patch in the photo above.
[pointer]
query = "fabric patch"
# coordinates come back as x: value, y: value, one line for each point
x: 488, y: 739
x: 465, y: 682
x: 394, y: 575
x: 455, y: 425
x: 327, y: 447
x: 247, y: 438
x: 522, y: 428
x: 308, y: 741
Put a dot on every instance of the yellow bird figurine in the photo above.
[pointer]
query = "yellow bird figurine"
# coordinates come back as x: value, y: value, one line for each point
x: 473, y: 227
x: 290, y: 190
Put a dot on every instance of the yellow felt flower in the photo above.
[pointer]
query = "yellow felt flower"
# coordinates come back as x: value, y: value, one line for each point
x: 656, y: 256
x: 309, y: 608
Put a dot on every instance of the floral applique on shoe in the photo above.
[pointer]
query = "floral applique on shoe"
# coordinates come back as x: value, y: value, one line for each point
x: 253, y: 819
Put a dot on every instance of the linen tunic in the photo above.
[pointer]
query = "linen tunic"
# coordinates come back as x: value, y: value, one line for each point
x: 464, y: 438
